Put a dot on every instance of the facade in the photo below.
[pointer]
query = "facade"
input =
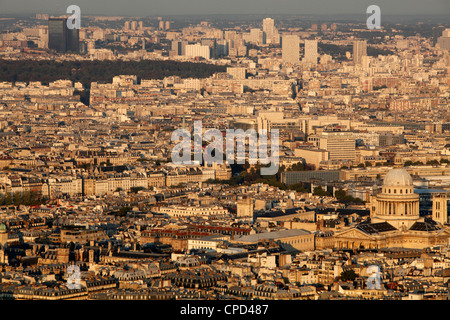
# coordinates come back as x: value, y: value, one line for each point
x: 441, y: 208
x: 297, y: 239
x: 61, y: 38
x: 237, y: 73
x: 359, y: 51
x: 197, y: 50
x: 293, y: 177
x: 208, y: 243
x: 245, y: 207
x: 291, y: 49
x: 179, y: 47
x: 340, y: 145
x: 444, y: 40
x: 178, y: 211
x: 82, y: 235
x: 311, y: 53
x: 312, y: 156
x: 270, y: 33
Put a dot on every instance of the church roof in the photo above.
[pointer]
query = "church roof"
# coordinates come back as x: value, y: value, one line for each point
x: 424, y: 226
x: 398, y: 178
x: 371, y: 228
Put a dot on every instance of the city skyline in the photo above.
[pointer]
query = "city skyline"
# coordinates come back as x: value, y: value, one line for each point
x: 314, y: 160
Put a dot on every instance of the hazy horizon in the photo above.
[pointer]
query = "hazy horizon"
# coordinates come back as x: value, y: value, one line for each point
x: 238, y: 7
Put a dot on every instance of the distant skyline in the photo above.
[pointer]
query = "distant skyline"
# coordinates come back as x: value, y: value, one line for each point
x: 205, y: 7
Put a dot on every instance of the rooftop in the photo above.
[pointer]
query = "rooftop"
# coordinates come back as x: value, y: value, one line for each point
x: 274, y: 235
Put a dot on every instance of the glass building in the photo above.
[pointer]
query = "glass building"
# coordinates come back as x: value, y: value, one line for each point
x: 61, y: 38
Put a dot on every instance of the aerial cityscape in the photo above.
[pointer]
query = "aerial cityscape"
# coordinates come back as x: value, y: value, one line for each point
x: 224, y: 156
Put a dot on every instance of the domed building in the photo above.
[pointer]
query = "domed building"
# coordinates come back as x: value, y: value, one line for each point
x: 394, y: 221
x: 397, y: 204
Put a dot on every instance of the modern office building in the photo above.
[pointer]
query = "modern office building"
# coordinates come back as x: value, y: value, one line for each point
x: 340, y: 145
x: 197, y: 50
x: 270, y: 32
x: 212, y: 44
x: 293, y: 177
x: 256, y: 36
x: 179, y: 47
x: 444, y: 41
x: 61, y: 38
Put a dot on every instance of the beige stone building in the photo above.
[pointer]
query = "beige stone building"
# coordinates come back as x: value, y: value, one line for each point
x: 395, y: 220
x: 245, y: 207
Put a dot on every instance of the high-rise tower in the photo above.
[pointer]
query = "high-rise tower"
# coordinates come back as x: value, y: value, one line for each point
x: 359, y: 50
x: 61, y: 38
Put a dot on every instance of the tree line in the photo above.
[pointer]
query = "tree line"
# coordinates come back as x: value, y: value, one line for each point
x: 28, y: 198
x: 103, y: 71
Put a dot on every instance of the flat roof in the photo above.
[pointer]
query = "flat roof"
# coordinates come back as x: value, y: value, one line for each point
x: 273, y: 235
x: 418, y: 190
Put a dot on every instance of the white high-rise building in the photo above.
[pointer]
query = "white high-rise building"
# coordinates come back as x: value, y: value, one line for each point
x: 268, y: 26
x: 271, y: 35
x: 340, y: 145
x: 256, y: 36
x: 311, y: 53
x: 197, y: 50
x: 444, y: 41
x: 291, y: 49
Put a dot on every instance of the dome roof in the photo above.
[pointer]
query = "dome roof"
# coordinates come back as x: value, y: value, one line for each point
x: 398, y: 178
x: 2, y: 227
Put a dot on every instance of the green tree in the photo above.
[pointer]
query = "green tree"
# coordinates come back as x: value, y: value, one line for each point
x: 348, y: 275
x: 26, y: 198
x: 136, y: 189
x: 340, y: 194
x: 17, y: 198
x: 432, y: 162
x: 318, y: 191
x: 123, y: 211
